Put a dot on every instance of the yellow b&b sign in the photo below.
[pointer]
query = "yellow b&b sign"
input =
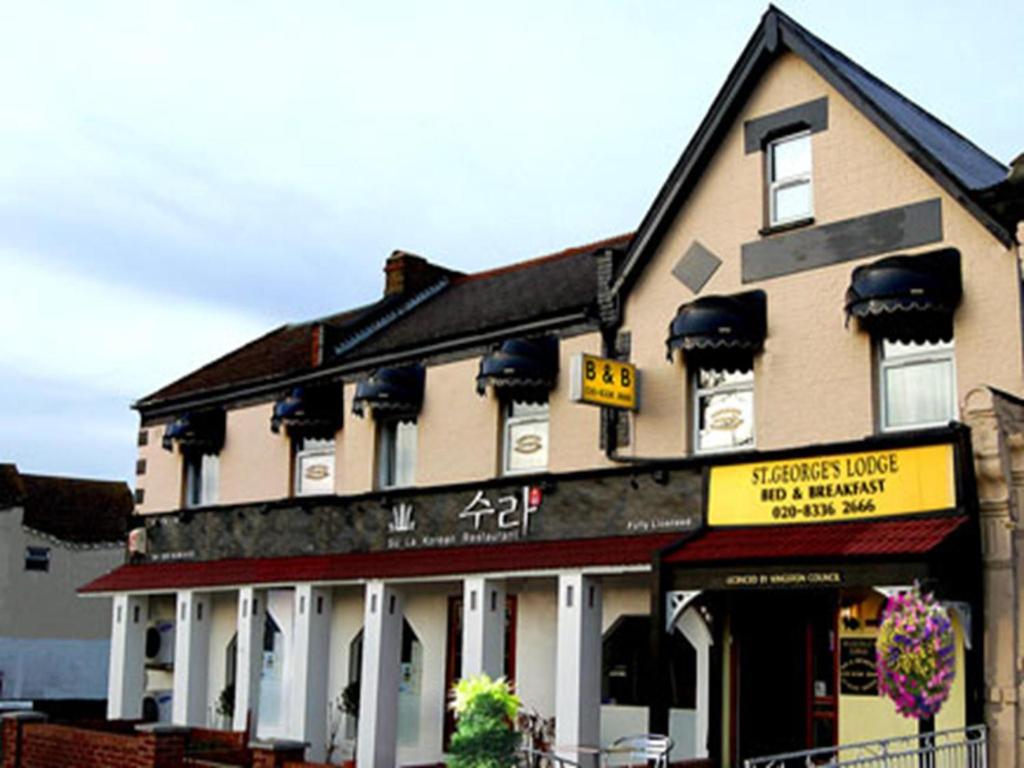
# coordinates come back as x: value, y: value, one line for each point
x: 828, y: 489
x: 600, y: 381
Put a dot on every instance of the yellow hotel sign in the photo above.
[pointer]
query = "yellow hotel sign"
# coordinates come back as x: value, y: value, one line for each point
x: 826, y: 489
x: 600, y: 381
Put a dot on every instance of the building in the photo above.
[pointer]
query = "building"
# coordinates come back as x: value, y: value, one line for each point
x: 56, y: 532
x: 823, y: 304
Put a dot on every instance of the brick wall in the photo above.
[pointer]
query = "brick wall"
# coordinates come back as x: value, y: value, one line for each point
x: 41, y: 745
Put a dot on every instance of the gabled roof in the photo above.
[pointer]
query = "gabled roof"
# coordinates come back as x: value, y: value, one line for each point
x: 72, y: 509
x: 957, y: 165
x: 540, y: 289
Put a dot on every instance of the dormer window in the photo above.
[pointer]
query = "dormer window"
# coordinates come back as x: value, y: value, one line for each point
x: 790, y: 198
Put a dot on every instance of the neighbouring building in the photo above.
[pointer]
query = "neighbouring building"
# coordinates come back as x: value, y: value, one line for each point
x: 55, y: 532
x: 823, y: 307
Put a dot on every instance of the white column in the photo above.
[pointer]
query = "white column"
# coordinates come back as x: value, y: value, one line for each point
x: 578, y: 665
x: 126, y: 677
x: 483, y: 627
x: 252, y: 611
x: 378, y: 690
x: 309, y: 669
x: 191, y: 648
x: 699, y: 636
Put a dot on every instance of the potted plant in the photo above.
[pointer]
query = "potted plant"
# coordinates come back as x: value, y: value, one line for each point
x: 349, y: 705
x: 916, y: 654
x: 485, y: 712
x: 226, y: 704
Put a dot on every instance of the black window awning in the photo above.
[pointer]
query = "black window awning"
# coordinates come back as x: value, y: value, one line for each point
x: 524, y: 369
x: 312, y: 411
x: 722, y: 332
x: 907, y: 298
x: 196, y: 431
x: 397, y: 391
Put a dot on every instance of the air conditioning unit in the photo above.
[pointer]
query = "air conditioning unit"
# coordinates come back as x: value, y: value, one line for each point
x: 157, y: 707
x: 160, y: 643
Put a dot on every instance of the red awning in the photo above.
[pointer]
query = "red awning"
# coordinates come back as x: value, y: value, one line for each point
x: 541, y: 555
x: 873, y: 538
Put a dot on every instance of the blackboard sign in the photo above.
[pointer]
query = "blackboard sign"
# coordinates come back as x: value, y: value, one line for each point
x: 857, y: 672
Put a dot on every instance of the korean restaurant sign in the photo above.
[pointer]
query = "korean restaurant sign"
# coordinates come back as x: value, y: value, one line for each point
x: 621, y: 502
x: 600, y: 381
x: 833, y: 488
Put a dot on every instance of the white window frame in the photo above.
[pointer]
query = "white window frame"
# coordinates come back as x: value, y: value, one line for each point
x: 774, y: 184
x: 946, y: 353
x: 197, y: 468
x: 508, y: 422
x: 697, y: 392
x: 389, y: 426
x: 326, y: 448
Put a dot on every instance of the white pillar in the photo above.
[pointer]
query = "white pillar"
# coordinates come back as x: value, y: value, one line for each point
x: 252, y: 611
x: 191, y: 648
x: 126, y: 677
x: 578, y: 665
x: 483, y: 627
x: 699, y: 636
x: 378, y: 690
x: 309, y: 669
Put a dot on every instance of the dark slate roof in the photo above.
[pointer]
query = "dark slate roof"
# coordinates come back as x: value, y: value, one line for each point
x: 285, y: 350
x: 969, y: 164
x: 543, y: 288
x: 71, y: 509
x: 550, y: 286
x: 955, y: 163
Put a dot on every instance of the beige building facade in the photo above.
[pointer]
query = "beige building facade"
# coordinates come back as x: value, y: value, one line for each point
x: 409, y: 492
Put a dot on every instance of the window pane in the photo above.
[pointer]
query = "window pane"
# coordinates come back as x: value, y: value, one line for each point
x: 725, y: 420
x: 209, y: 478
x: 893, y: 350
x: 517, y: 409
x: 791, y: 157
x: 314, y: 471
x: 526, y: 445
x: 386, y: 454
x: 792, y: 201
x: 405, y: 453
x: 709, y: 379
x: 919, y: 393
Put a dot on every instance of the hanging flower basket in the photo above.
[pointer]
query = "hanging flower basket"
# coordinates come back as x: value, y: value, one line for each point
x: 916, y: 654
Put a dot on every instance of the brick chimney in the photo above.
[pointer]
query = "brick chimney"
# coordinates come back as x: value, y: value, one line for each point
x: 409, y: 273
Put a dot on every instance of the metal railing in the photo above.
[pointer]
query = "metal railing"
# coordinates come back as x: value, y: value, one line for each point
x: 955, y: 748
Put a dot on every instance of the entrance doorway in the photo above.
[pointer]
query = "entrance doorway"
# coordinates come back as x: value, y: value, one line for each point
x: 783, y: 672
x: 453, y: 657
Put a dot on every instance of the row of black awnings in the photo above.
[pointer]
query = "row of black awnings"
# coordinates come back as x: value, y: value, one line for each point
x: 899, y: 298
x: 519, y: 369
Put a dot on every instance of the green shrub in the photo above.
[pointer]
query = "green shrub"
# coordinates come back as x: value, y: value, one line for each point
x: 485, y: 711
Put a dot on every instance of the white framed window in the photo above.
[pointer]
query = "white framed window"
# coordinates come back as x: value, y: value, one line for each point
x: 790, y: 192
x: 917, y: 384
x: 202, y: 479
x: 314, y: 466
x: 723, y: 410
x: 396, y: 453
x: 525, y: 437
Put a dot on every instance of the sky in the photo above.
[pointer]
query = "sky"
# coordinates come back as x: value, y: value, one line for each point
x: 178, y: 178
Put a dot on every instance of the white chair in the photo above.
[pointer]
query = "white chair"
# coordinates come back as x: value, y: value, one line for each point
x: 642, y: 749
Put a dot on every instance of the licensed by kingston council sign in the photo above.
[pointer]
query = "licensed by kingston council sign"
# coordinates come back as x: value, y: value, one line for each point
x: 832, y: 488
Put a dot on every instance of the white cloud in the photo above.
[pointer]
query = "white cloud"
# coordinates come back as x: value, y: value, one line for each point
x: 67, y: 326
